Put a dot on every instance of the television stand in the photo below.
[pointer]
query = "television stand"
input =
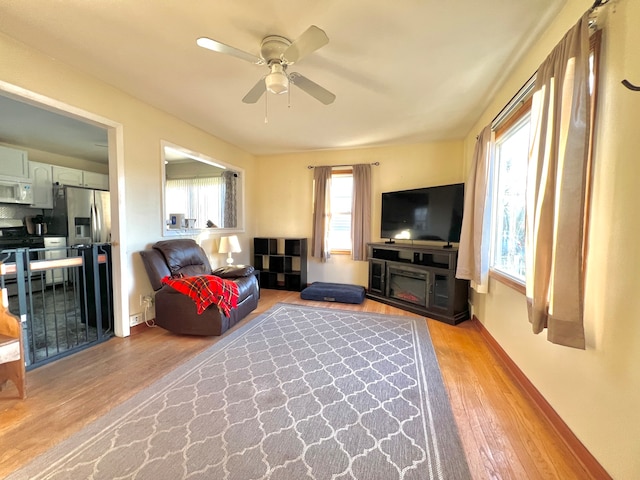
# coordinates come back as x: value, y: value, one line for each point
x: 448, y: 245
x: 419, y: 279
x: 390, y: 242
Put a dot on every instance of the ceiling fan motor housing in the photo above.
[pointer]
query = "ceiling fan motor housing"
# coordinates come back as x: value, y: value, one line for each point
x: 273, y: 47
x: 272, y: 50
x: 278, y: 53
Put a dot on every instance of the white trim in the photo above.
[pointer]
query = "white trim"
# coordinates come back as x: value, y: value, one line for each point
x: 240, y: 228
x: 120, y: 265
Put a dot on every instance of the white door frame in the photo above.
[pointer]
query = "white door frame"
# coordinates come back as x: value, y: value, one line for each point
x: 120, y: 264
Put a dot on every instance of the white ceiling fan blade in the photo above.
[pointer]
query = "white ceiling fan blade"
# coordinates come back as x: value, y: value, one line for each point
x: 216, y: 46
x: 311, y: 40
x: 256, y: 92
x: 316, y: 91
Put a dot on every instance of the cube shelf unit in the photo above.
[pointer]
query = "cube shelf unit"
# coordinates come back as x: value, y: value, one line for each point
x: 282, y: 262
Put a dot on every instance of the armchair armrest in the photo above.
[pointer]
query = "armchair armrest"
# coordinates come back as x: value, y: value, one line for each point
x: 233, y: 271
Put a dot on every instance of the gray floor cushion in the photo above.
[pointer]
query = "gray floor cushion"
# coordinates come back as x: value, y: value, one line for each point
x: 333, y: 292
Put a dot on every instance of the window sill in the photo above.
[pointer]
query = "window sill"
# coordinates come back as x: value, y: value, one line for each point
x: 511, y: 282
x: 340, y: 252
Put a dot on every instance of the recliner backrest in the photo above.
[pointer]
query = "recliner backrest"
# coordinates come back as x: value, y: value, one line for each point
x: 156, y: 267
x: 184, y: 256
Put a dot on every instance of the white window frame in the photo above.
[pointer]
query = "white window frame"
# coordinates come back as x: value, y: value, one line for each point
x: 520, y: 119
x: 167, y: 147
x: 506, y: 119
x: 344, y: 245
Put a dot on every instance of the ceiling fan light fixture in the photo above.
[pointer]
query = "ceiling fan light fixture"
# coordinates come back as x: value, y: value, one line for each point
x: 277, y: 81
x: 278, y: 53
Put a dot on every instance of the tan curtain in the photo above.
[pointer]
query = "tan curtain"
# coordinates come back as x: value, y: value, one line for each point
x: 556, y: 190
x: 473, y: 253
x: 361, y: 211
x: 230, y: 208
x: 321, y: 212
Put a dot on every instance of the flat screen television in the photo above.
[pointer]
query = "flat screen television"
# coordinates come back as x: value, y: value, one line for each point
x: 431, y: 213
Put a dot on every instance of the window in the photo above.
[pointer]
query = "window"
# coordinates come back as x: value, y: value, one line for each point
x: 199, y: 198
x: 510, y: 177
x: 341, y: 204
x: 201, y: 189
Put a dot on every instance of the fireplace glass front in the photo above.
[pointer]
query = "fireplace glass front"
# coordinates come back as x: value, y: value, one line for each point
x: 409, y: 285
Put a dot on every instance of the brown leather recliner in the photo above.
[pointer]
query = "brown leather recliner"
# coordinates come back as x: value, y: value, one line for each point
x: 175, y: 311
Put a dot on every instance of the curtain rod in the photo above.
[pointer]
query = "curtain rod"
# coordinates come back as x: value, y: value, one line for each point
x: 597, y: 3
x: 311, y: 167
x: 593, y: 18
x: 528, y: 85
x: 517, y: 98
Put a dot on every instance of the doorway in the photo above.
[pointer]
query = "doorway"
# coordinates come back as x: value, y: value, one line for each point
x: 110, y: 142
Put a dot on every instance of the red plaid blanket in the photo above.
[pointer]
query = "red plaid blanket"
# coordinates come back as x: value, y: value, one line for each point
x: 206, y: 290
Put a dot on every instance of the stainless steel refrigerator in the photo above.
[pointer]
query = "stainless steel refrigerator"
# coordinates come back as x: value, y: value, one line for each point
x: 82, y: 215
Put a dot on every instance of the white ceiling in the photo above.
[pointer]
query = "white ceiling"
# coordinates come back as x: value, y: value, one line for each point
x: 24, y: 124
x: 409, y: 71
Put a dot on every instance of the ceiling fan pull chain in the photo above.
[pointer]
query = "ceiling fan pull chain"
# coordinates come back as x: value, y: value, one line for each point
x: 266, y: 108
x: 289, y: 97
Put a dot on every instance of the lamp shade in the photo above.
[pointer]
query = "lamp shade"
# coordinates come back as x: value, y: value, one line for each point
x: 229, y: 244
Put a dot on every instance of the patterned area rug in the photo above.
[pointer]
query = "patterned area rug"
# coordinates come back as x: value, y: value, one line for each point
x: 298, y: 393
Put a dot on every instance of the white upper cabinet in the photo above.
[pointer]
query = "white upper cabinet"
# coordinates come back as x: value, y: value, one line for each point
x: 99, y: 181
x: 80, y: 178
x: 67, y: 176
x: 42, y: 186
x: 14, y: 163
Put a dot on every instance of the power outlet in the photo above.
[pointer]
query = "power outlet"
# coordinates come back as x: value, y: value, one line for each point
x: 135, y: 319
x: 146, y: 300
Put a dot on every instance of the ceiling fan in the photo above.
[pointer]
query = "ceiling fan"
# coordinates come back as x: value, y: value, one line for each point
x: 278, y: 53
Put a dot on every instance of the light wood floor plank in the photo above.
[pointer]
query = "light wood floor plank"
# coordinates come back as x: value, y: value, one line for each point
x: 503, y: 434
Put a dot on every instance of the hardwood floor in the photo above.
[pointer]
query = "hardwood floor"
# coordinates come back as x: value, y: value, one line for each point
x: 503, y: 433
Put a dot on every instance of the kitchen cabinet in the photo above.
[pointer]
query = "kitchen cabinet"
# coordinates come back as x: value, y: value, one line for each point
x: 14, y: 163
x: 97, y: 181
x: 42, y: 185
x: 80, y: 178
x: 67, y: 176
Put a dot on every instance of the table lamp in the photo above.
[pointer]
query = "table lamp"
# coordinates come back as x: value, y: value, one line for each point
x: 229, y: 245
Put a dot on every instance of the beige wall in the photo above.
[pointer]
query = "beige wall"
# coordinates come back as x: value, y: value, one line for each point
x: 143, y: 128
x: 277, y: 188
x: 597, y: 391
x: 285, y: 193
